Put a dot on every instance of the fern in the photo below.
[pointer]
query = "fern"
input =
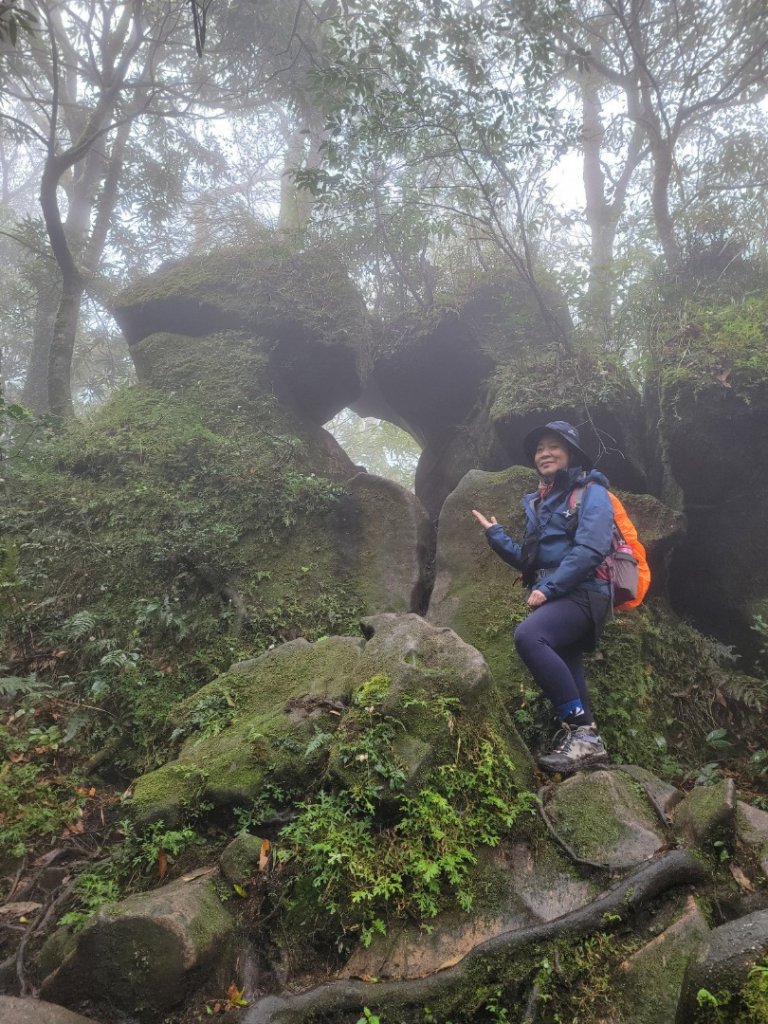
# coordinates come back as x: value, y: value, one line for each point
x: 750, y: 692
x: 79, y: 626
x: 21, y: 686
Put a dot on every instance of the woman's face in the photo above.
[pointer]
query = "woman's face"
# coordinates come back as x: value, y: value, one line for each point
x: 551, y: 455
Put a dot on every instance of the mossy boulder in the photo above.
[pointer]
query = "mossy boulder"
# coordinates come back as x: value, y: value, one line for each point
x: 388, y: 533
x: 242, y: 858
x: 475, y: 592
x: 605, y: 818
x: 301, y: 309
x: 253, y: 725
x: 707, y: 813
x: 752, y: 832
x: 144, y: 955
x: 651, y: 979
x: 431, y: 683
x: 724, y: 969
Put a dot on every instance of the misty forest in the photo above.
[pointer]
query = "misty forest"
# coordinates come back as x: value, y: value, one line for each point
x: 289, y: 289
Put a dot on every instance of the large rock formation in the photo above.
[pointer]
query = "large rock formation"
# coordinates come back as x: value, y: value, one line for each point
x: 299, y: 310
x: 714, y: 426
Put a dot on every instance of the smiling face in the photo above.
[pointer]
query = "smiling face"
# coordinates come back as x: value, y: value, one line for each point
x: 551, y: 454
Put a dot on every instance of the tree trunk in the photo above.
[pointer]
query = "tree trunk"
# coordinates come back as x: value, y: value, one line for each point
x: 62, y: 349
x: 601, y: 219
x: 72, y: 287
x: 35, y: 393
x: 661, y: 154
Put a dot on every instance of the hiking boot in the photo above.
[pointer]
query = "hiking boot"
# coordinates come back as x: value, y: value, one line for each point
x: 579, y: 748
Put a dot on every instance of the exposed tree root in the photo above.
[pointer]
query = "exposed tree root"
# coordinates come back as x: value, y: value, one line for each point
x: 333, y: 1000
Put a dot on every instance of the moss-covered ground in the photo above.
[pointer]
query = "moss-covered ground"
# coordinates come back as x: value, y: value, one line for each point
x: 147, y: 548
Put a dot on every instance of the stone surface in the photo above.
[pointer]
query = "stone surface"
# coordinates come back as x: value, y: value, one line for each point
x: 270, y: 709
x: 752, y: 831
x: 732, y: 951
x: 652, y: 978
x: 530, y: 886
x: 37, y: 1011
x: 475, y: 593
x: 424, y: 666
x: 719, y: 575
x: 240, y: 860
x: 662, y: 795
x: 301, y: 311
x: 389, y: 532
x: 706, y: 811
x: 601, y: 816
x: 145, y: 954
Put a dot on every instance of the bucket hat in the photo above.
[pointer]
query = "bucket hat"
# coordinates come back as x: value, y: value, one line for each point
x: 565, y: 430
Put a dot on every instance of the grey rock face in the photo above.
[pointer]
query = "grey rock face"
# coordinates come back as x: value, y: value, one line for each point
x: 752, y: 830
x: 659, y: 968
x: 733, y: 951
x: 36, y: 1011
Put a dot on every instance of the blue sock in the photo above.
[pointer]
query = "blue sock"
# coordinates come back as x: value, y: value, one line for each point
x: 573, y: 713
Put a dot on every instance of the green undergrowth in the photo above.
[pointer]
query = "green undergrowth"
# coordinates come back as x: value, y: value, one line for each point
x: 706, y: 343
x: 662, y: 690
x: 363, y: 850
x: 146, y: 549
x: 571, y: 383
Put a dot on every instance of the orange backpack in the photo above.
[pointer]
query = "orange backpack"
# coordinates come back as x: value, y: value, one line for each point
x: 626, y: 567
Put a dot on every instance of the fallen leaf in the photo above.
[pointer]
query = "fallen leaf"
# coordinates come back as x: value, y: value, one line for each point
x: 162, y: 863
x: 720, y: 698
x: 741, y: 879
x: 240, y: 890
x: 264, y: 852
x: 235, y: 995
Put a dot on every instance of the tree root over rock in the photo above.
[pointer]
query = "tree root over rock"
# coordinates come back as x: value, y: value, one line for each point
x: 486, y: 962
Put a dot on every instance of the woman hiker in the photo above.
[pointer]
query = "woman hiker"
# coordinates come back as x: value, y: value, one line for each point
x: 570, y: 601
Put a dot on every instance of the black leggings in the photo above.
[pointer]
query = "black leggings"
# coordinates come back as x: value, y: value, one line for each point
x: 551, y: 642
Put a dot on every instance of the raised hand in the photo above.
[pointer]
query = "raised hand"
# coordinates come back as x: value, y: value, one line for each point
x: 485, y: 523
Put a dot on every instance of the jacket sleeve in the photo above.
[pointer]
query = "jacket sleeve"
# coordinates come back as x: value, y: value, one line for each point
x: 591, y: 544
x: 506, y: 548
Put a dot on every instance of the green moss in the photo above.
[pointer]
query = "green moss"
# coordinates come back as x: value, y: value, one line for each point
x: 709, y: 339
x: 164, y: 538
x: 270, y: 289
x: 571, y: 385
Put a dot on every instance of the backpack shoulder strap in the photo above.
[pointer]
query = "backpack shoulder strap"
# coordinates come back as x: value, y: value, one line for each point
x: 577, y: 494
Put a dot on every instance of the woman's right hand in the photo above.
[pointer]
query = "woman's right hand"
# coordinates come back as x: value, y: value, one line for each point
x: 485, y: 523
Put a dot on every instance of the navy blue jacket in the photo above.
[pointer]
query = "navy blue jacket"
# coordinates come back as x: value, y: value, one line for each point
x: 572, y: 558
